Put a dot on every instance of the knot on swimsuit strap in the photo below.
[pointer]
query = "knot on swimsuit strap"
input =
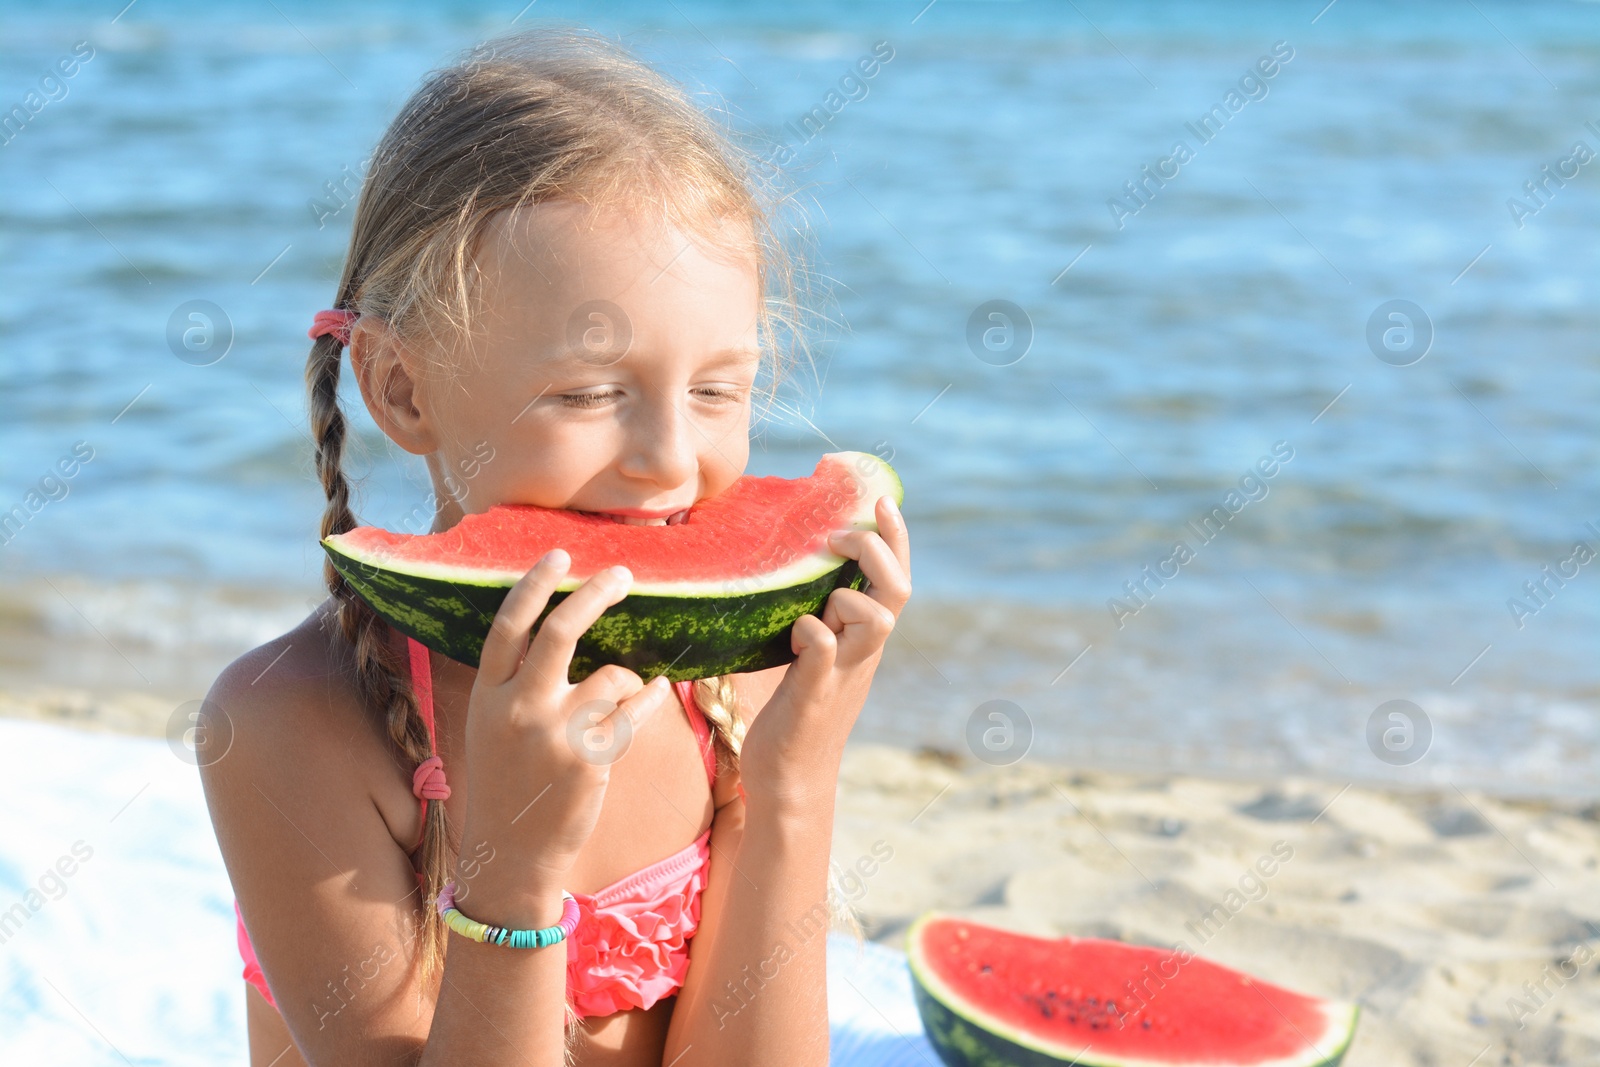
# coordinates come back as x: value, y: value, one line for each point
x: 427, y: 782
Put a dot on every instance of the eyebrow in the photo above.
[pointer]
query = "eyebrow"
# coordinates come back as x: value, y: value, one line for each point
x: 740, y: 354
x: 720, y: 358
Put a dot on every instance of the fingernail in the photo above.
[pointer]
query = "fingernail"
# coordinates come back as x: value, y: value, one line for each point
x: 554, y: 556
x: 622, y: 574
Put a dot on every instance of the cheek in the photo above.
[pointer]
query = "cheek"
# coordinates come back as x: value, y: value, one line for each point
x: 539, y: 462
x: 722, y: 465
x: 720, y: 469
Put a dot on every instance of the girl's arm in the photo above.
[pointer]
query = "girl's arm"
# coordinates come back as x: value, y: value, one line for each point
x: 764, y: 925
x: 756, y: 991
x: 326, y: 892
x: 332, y: 907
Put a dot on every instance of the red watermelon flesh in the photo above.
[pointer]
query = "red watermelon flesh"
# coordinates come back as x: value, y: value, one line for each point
x: 1096, y: 1001
x: 757, y: 526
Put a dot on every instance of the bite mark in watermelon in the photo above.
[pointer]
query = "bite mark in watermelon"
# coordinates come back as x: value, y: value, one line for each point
x: 995, y: 998
x: 714, y: 594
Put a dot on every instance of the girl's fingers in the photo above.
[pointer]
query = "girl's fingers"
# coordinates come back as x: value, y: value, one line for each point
x: 815, y: 648
x: 611, y: 684
x: 887, y: 581
x: 507, y: 642
x: 602, y: 736
x: 637, y: 709
x: 892, y: 526
x: 611, y: 681
x: 550, y: 653
x: 861, y: 624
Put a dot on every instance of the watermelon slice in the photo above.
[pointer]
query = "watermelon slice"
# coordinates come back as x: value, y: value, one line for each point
x: 714, y: 594
x: 995, y: 998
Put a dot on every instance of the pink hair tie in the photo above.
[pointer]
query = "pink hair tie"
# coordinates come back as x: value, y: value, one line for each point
x: 427, y: 781
x: 335, y: 324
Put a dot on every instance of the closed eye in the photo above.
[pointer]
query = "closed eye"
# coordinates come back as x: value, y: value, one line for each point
x: 587, y: 400
x: 595, y: 400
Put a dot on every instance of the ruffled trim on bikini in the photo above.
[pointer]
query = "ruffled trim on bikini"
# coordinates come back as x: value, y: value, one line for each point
x: 631, y: 946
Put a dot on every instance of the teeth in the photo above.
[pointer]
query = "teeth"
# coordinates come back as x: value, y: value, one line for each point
x: 629, y: 520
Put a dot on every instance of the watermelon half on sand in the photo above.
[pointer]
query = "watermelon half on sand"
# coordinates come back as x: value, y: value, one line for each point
x: 995, y: 998
x: 714, y: 594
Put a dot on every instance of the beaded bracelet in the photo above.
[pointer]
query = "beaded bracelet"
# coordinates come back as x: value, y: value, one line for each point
x: 500, y: 935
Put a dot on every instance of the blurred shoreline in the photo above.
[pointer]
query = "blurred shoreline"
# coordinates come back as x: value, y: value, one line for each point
x: 110, y: 708
x: 1163, y: 696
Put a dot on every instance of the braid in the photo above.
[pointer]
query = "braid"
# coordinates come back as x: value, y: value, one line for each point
x: 381, y: 675
x: 718, y: 701
x: 327, y: 435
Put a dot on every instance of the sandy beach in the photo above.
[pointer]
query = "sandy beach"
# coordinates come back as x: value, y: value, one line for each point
x: 1431, y: 909
x: 1467, y: 926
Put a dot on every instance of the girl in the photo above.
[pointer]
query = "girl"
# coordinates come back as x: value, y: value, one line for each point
x: 548, y: 187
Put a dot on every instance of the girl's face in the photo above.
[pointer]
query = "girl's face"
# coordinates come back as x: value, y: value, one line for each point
x: 609, y: 370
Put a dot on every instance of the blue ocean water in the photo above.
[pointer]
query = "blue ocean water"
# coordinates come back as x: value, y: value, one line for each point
x: 1180, y: 315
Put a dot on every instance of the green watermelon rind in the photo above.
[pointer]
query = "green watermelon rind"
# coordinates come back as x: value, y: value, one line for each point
x: 963, y: 1037
x: 683, y: 630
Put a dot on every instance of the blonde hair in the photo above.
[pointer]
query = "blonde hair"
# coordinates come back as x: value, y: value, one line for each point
x: 538, y: 116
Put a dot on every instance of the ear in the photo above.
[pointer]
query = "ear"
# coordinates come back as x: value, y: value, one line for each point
x: 387, y: 372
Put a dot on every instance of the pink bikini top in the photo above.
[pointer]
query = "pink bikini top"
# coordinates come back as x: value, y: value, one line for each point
x: 631, y: 945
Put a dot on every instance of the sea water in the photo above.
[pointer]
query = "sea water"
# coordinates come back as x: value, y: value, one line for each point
x: 1084, y: 272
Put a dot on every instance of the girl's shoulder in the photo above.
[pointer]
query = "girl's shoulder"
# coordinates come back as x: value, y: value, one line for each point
x: 287, y: 717
x: 300, y: 684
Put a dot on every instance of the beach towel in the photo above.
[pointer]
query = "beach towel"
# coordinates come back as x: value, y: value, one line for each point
x: 116, y: 919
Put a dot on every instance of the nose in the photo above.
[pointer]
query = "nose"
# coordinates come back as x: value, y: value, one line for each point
x: 661, y: 444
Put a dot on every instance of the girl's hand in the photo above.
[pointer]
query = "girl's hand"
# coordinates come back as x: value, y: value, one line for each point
x: 791, y: 754
x: 541, y: 749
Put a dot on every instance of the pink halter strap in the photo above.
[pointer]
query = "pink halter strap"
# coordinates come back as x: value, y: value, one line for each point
x: 427, y: 781
x: 334, y: 323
